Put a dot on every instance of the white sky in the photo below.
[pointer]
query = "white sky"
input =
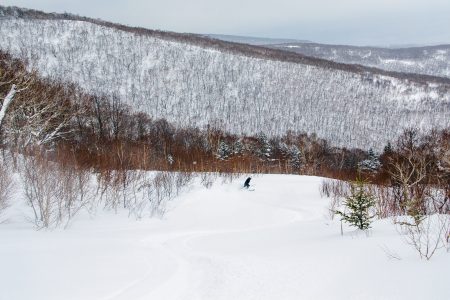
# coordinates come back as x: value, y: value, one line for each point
x: 358, y: 22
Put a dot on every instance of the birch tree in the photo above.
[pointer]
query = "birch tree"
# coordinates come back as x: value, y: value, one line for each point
x: 6, y: 103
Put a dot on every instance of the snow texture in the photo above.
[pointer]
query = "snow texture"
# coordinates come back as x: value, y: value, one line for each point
x: 218, y: 243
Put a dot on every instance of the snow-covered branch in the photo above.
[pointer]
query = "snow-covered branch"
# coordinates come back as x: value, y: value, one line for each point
x: 7, y: 102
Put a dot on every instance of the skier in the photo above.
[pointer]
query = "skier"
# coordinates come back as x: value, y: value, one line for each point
x: 247, y: 182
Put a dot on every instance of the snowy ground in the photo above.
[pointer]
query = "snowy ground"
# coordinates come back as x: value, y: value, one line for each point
x: 276, y: 242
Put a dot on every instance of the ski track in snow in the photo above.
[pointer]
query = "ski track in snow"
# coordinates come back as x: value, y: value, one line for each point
x: 183, y: 253
x: 219, y: 243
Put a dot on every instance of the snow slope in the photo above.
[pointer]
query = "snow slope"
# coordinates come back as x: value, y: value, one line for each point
x: 192, y: 85
x: 220, y: 243
x: 430, y: 60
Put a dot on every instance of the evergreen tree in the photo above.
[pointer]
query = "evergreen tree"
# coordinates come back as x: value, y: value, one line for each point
x: 238, y: 147
x: 284, y: 149
x: 223, y: 152
x: 264, y: 150
x: 294, y: 157
x: 372, y: 163
x: 388, y: 149
x: 359, y: 205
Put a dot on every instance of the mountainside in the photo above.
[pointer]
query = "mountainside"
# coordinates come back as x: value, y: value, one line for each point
x: 430, y: 60
x: 195, y: 81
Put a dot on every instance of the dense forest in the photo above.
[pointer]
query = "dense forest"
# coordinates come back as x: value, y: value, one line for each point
x: 429, y: 60
x: 196, y: 82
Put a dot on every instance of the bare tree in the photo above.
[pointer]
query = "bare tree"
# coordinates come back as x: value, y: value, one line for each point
x: 40, y: 186
x: 409, y: 170
x: 336, y: 190
x: 163, y: 185
x: 140, y: 190
x: 41, y: 117
x: 54, y: 192
x: 118, y: 115
x: 17, y: 79
x: 6, y: 103
x: 428, y: 236
x: 74, y: 191
x: 207, y: 179
x: 6, y: 185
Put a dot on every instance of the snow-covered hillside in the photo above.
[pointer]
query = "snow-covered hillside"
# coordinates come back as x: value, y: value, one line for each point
x: 258, y: 41
x: 276, y: 242
x: 193, y: 85
x: 432, y: 60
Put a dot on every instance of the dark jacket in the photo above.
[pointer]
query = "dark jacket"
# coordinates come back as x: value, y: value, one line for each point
x: 247, y: 182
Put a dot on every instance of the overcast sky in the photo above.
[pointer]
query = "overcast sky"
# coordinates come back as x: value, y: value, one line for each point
x: 357, y: 22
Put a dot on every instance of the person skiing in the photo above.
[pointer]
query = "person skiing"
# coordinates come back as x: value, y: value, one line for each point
x: 247, y: 182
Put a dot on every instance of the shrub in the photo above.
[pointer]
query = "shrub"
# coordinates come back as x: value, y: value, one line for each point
x: 54, y: 192
x: 428, y: 235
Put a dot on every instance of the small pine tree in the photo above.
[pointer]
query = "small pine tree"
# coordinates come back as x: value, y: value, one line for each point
x: 359, y: 205
x: 223, y: 152
x: 414, y: 209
